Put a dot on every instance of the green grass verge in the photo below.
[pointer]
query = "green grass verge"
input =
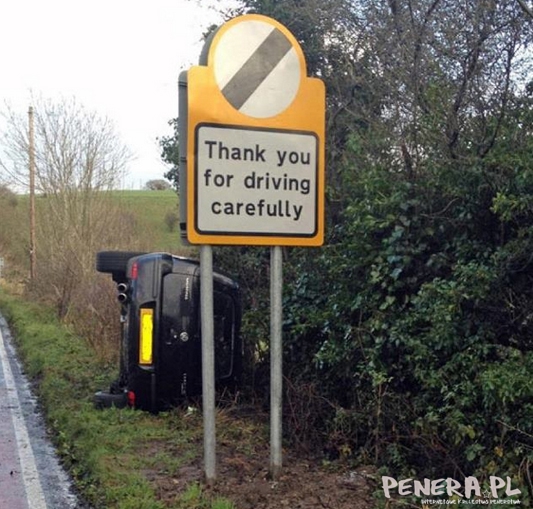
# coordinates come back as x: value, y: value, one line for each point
x: 149, y: 209
x: 112, y: 454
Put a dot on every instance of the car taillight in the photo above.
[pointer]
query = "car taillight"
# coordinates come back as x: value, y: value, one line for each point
x: 134, y: 270
x: 146, y: 336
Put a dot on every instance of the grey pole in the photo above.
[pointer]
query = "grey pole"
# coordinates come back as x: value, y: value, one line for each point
x: 31, y: 148
x: 208, y: 362
x: 276, y: 357
x: 183, y: 115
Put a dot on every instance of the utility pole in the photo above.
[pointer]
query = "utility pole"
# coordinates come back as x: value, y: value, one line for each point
x: 31, y: 148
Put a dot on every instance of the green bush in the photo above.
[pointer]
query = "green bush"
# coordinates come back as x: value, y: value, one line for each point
x: 422, y: 340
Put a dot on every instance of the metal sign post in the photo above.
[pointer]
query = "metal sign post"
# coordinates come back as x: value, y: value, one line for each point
x: 276, y: 360
x: 208, y: 362
x: 254, y: 138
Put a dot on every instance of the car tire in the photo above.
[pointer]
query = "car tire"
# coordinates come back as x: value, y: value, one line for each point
x: 115, y: 262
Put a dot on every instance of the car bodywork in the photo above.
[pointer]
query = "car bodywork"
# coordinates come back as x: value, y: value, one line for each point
x: 160, y: 354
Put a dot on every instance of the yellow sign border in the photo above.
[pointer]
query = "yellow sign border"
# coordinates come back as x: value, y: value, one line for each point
x: 206, y: 104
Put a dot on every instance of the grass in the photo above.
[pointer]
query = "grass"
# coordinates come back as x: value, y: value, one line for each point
x: 149, y: 209
x: 193, y: 498
x: 113, y: 454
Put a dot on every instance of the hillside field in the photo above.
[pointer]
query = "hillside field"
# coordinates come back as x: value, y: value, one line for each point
x: 145, y: 211
x: 149, y: 209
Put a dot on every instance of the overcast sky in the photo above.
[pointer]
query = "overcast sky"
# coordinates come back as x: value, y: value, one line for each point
x: 119, y: 57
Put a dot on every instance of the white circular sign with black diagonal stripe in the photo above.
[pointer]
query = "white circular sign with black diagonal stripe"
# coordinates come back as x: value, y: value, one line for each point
x: 257, y: 68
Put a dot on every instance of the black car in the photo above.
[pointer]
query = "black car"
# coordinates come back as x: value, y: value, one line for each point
x: 160, y: 357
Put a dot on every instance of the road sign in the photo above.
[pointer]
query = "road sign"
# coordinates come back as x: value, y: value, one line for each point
x: 256, y: 182
x: 255, y: 173
x: 260, y: 78
x: 255, y: 140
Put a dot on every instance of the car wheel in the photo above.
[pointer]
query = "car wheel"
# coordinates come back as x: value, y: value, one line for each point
x: 115, y: 262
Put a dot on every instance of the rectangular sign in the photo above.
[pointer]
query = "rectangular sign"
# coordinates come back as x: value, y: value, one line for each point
x: 255, y: 182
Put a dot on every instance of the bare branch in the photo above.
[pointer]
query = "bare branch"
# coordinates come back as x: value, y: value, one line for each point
x: 528, y: 10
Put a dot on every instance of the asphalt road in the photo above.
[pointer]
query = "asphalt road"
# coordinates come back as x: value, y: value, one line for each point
x: 30, y: 474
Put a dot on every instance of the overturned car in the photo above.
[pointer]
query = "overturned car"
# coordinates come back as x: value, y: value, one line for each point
x: 160, y: 351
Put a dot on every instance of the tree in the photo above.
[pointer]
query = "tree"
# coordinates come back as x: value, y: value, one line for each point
x: 427, y: 264
x: 526, y: 8
x: 79, y: 157
x: 170, y: 154
x: 157, y: 185
x: 13, y: 224
x: 8, y: 196
x: 75, y: 148
x: 171, y: 220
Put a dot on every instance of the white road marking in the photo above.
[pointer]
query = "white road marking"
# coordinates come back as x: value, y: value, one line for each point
x: 30, y: 475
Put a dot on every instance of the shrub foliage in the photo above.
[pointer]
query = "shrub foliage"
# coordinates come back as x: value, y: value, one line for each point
x: 409, y: 332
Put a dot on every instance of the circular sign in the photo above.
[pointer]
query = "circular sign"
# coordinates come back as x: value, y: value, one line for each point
x: 257, y: 68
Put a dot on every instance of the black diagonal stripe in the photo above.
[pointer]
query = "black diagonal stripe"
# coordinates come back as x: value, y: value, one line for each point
x: 255, y: 70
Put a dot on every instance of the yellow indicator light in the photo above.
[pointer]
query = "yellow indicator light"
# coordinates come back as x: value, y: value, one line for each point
x: 146, y: 336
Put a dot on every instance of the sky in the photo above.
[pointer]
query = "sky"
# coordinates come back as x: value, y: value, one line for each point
x: 120, y: 58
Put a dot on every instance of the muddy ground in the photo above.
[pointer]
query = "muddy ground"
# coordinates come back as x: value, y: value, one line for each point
x: 303, y: 484
x: 243, y: 477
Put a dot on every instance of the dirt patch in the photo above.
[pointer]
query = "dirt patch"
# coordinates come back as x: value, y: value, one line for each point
x: 303, y: 484
x: 243, y: 476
